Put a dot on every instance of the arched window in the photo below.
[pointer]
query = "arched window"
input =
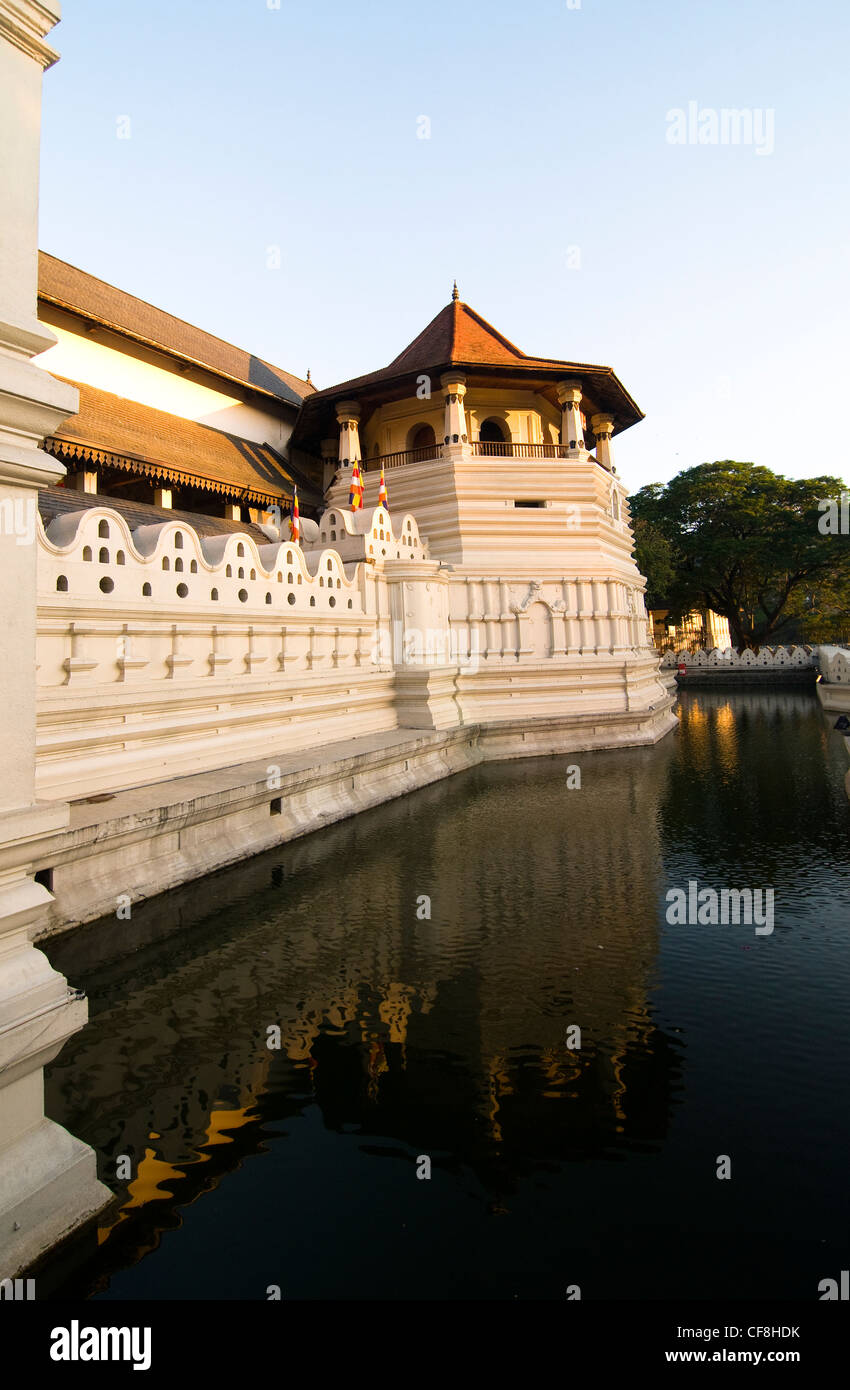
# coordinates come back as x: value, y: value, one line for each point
x: 62, y: 584
x: 493, y: 435
x: 422, y: 441
x: 103, y: 529
x: 178, y: 540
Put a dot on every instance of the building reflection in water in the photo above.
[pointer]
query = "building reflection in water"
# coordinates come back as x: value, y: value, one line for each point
x: 445, y: 1035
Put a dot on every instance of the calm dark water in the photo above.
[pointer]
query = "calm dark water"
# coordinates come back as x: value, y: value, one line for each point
x: 403, y: 1037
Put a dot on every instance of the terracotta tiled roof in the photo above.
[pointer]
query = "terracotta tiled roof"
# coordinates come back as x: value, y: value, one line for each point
x: 460, y: 337
x: 69, y: 288
x: 124, y: 434
x: 457, y: 334
x: 58, y: 501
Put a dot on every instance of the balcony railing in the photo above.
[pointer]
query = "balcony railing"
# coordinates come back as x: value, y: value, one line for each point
x: 481, y: 448
x: 403, y: 456
x: 499, y: 449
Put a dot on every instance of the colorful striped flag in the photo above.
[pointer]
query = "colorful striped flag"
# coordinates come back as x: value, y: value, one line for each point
x: 294, y: 519
x: 355, y: 496
x: 382, y: 491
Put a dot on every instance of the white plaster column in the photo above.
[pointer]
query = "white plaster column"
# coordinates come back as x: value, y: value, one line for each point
x: 603, y: 428
x: 455, y: 431
x: 572, y: 434
x: 572, y: 594
x: 48, y: 1179
x: 348, y: 415
x: 585, y: 598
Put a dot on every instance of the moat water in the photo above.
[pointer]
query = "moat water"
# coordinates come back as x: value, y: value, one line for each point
x: 406, y: 1038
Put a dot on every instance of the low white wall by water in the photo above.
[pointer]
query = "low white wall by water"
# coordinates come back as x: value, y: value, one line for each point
x: 728, y: 658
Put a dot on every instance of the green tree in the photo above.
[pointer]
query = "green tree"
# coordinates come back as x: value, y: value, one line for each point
x: 654, y: 559
x: 747, y: 543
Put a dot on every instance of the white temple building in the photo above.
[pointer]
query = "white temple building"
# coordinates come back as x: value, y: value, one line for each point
x: 185, y: 684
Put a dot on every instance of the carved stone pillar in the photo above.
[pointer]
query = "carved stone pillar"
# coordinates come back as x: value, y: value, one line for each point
x: 348, y: 415
x: 454, y: 385
x: 48, y: 1179
x: 572, y: 433
x: 603, y: 428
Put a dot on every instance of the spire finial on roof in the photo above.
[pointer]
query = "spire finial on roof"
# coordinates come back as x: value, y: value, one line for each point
x: 308, y: 374
x: 455, y: 294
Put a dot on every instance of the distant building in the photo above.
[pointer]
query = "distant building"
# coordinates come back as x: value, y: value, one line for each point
x: 702, y: 629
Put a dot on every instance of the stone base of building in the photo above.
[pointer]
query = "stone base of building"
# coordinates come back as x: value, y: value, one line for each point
x: 48, y: 1190
x: 146, y: 840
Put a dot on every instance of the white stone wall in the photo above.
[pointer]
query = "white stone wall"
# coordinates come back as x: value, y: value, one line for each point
x: 768, y: 658
x: 162, y: 653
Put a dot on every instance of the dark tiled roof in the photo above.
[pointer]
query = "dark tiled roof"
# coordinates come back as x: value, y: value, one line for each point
x: 458, y: 336
x: 112, y: 430
x: 67, y: 287
x: 58, y: 501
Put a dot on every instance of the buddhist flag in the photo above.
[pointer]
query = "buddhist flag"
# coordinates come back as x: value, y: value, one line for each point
x: 294, y: 519
x: 382, y: 491
x: 355, y: 496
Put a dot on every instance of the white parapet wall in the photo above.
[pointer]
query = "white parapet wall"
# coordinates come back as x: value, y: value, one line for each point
x: 727, y: 658
x: 163, y: 653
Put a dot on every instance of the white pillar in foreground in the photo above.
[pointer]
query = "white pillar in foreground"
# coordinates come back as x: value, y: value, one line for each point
x: 48, y: 1179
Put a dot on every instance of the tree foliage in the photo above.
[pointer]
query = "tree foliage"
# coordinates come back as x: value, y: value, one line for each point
x: 745, y: 542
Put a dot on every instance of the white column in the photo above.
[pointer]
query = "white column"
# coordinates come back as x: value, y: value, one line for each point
x: 348, y: 415
x: 572, y: 434
x: 48, y: 1179
x: 603, y: 428
x: 454, y: 385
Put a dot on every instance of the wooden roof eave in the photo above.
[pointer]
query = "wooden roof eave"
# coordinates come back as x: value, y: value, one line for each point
x: 318, y: 414
x: 150, y: 468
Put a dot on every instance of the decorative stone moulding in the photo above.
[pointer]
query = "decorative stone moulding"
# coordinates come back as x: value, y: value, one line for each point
x: 93, y: 556
x: 770, y: 658
x: 369, y: 534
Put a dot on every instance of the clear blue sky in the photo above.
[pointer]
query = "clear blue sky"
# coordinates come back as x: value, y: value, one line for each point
x: 712, y: 278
